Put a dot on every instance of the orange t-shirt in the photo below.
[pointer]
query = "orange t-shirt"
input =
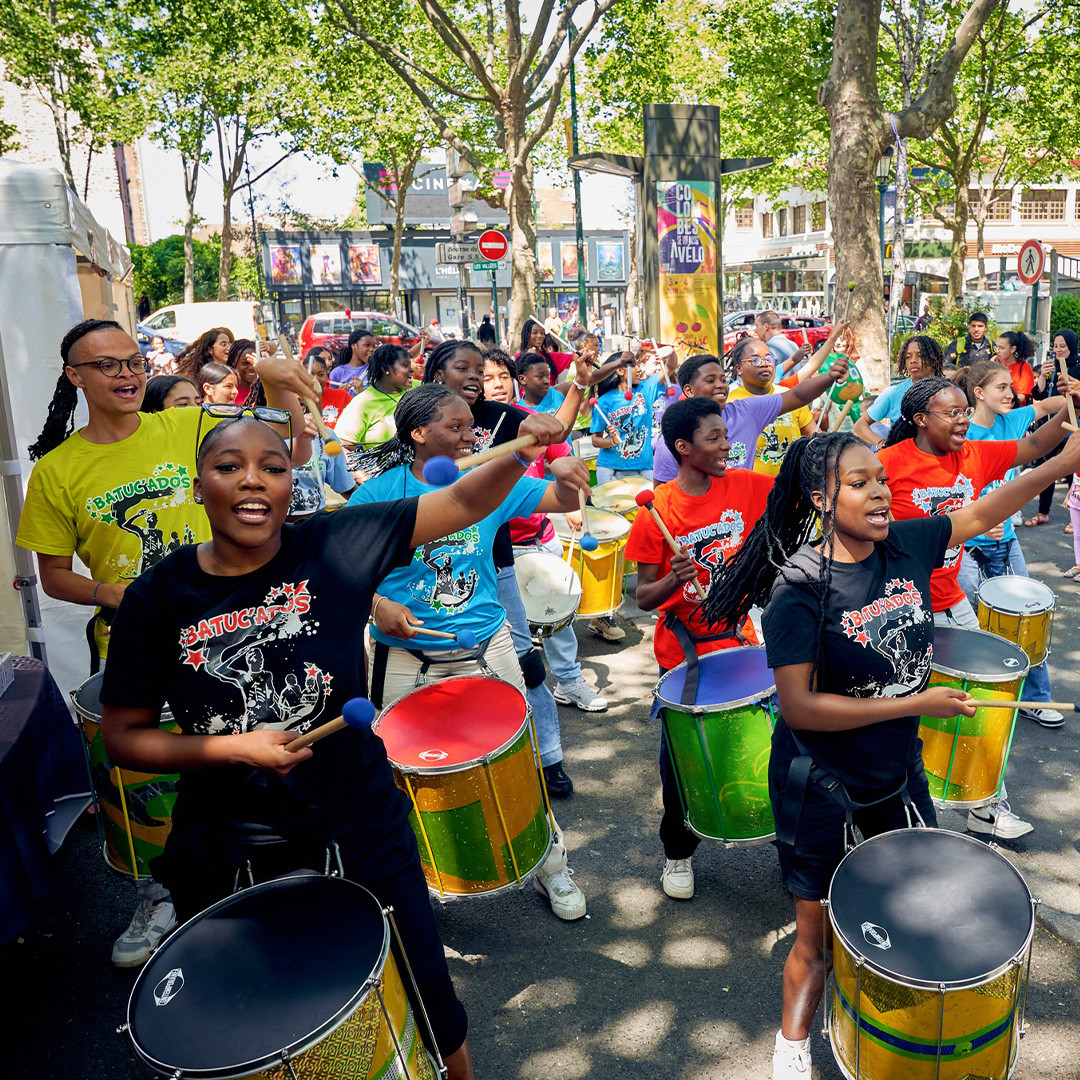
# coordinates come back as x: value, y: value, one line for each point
x: 713, y: 527
x: 334, y: 400
x: 924, y: 485
x: 1023, y: 379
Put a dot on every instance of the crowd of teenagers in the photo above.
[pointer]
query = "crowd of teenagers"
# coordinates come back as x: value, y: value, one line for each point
x: 188, y: 515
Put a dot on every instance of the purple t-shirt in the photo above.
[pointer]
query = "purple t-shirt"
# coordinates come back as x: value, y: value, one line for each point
x: 745, y: 419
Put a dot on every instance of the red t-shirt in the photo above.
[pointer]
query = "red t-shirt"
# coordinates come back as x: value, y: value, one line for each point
x: 713, y: 526
x: 334, y: 400
x: 924, y: 485
x: 1023, y: 379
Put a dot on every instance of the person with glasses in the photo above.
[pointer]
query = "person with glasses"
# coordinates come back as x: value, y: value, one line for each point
x: 334, y: 399
x: 242, y: 637
x: 119, y: 493
x: 933, y: 468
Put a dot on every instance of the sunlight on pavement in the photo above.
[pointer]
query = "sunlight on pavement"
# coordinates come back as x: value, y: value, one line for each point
x: 639, y: 1032
x: 634, y: 954
x: 635, y: 904
x: 695, y: 952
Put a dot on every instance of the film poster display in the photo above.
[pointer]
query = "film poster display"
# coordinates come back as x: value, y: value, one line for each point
x: 364, y: 268
x: 325, y: 264
x: 285, y: 265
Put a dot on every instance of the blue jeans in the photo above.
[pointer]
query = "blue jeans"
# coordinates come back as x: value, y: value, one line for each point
x: 560, y: 648
x: 996, y: 560
x: 544, y: 710
x: 604, y: 474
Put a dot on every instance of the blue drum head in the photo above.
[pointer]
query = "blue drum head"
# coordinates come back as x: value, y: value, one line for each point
x: 726, y: 678
x: 270, y: 968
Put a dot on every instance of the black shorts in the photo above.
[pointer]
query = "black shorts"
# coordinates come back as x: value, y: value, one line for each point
x: 807, y: 866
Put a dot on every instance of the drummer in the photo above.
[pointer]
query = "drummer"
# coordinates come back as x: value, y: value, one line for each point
x: 117, y: 493
x: 933, y: 468
x: 708, y: 509
x: 450, y: 584
x: 848, y: 632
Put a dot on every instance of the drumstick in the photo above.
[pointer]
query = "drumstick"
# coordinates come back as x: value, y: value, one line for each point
x: 843, y: 413
x: 671, y: 391
x: 332, y: 446
x: 1071, y: 425
x: 358, y: 712
x: 613, y: 434
x: 441, y: 470
x: 1060, y: 706
x: 588, y: 542
x: 465, y: 638
x: 645, y: 499
x: 629, y: 395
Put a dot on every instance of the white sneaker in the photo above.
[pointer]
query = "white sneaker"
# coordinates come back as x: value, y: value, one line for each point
x: 150, y: 923
x: 580, y: 694
x: 1048, y: 718
x: 567, y: 900
x: 997, y: 819
x: 790, y: 1061
x: 678, y: 879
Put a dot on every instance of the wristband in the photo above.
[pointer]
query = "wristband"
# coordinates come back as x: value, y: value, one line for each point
x: 93, y: 595
x: 378, y: 601
x: 521, y: 461
x: 580, y: 386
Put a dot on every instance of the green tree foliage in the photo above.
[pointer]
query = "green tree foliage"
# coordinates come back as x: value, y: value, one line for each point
x: 158, y: 269
x: 1065, y: 312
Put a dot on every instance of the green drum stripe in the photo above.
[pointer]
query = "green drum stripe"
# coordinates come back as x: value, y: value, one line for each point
x: 529, y: 845
x: 908, y: 1045
x: 460, y: 841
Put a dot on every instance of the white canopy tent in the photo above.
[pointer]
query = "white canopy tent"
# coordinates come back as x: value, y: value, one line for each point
x: 58, y: 265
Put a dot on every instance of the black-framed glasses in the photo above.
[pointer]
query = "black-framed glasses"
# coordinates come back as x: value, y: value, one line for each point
x: 221, y: 410
x: 110, y: 366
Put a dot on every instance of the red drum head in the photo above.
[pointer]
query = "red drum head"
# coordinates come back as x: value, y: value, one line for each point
x: 451, y: 723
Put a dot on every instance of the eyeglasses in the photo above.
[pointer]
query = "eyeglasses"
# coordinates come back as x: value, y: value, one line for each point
x: 111, y: 367
x: 225, y: 411
x: 759, y: 361
x: 953, y: 414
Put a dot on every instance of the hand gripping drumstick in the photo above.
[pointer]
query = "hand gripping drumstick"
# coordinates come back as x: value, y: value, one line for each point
x: 440, y: 471
x: 358, y: 712
x: 588, y: 542
x: 1071, y: 425
x: 645, y: 499
x: 613, y: 433
x: 330, y: 440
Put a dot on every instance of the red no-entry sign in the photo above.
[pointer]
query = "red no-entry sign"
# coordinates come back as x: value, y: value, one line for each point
x: 493, y: 245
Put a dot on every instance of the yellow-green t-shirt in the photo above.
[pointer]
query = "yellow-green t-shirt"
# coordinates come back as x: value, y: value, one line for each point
x: 368, y: 420
x: 774, y: 441
x: 120, y: 507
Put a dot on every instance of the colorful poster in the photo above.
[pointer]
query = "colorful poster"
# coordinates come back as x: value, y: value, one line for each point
x: 568, y: 259
x: 364, y: 264
x: 686, y: 241
x: 325, y: 264
x: 285, y: 266
x: 545, y: 267
x: 609, y: 258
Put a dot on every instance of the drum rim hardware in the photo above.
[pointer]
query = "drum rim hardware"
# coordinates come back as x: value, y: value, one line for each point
x: 974, y: 676
x: 699, y: 709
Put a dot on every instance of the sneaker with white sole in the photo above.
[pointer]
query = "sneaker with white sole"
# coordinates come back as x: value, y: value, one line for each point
x: 678, y: 879
x: 1048, y: 718
x: 604, y: 625
x: 150, y: 923
x: 790, y: 1060
x: 579, y: 693
x: 567, y: 900
x: 997, y: 819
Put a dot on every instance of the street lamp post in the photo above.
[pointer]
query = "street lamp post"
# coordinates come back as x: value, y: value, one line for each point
x: 882, y: 171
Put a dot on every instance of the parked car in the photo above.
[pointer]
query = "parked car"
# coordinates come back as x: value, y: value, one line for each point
x: 143, y: 335
x: 185, y: 322
x: 799, y: 328
x: 331, y: 329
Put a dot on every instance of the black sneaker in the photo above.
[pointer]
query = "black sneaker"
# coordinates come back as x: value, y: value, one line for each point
x: 559, y: 785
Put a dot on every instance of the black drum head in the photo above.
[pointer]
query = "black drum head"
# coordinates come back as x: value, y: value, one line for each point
x: 927, y: 906
x: 977, y: 655
x: 263, y: 971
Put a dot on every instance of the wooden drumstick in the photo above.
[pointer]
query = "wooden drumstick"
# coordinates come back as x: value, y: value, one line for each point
x: 357, y: 713
x: 333, y: 447
x: 1071, y: 425
x: 1060, y: 706
x: 613, y: 433
x: 645, y: 499
x: 588, y: 542
x: 843, y: 413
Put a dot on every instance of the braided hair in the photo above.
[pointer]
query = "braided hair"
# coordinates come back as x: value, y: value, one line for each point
x: 60, y: 421
x: 344, y: 355
x: 915, y: 401
x: 443, y: 353
x: 790, y: 520
x: 417, y: 407
x: 930, y: 352
x: 738, y: 352
x: 383, y: 360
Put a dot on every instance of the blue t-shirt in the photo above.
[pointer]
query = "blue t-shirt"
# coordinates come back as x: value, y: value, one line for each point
x: 887, y: 404
x: 1007, y: 426
x: 633, y: 421
x: 551, y: 402
x: 450, y: 583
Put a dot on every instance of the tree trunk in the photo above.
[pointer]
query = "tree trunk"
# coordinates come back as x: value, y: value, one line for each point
x: 191, y: 184
x: 63, y: 145
x: 404, y: 182
x: 225, y: 263
x: 899, y: 251
x: 980, y: 245
x: 959, y: 243
x: 522, y: 247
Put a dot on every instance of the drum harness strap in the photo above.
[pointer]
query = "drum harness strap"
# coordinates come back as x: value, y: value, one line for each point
x: 382, y: 652
x: 803, y: 769
x: 688, y: 641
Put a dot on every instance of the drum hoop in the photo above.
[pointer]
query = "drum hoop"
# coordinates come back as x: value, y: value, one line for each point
x: 936, y: 984
x: 1030, y: 613
x: 993, y: 607
x: 85, y: 713
x: 973, y: 676
x: 297, y: 1046
x: 718, y: 706
x: 464, y: 766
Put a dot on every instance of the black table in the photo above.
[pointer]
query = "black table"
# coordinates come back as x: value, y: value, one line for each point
x: 44, y: 785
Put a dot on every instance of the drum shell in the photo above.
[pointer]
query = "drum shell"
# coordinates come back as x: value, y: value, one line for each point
x: 904, y: 1026
x: 601, y: 571
x: 719, y: 756
x: 149, y: 797
x: 547, y: 615
x: 1031, y: 629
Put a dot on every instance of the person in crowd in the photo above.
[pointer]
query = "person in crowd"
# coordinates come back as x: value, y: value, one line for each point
x: 534, y: 377
x: 925, y: 319
x: 217, y: 383
x: 485, y: 332
x: 769, y: 329
x: 1014, y: 351
x: 553, y: 324
x: 500, y: 377
x: 352, y: 361
x: 920, y: 357
x: 168, y: 392
x: 973, y: 346
x: 118, y: 493
x: 368, y: 420
x: 451, y: 582
x: 162, y: 362
x: 242, y: 361
x: 536, y: 338
x: 707, y: 508
x: 1063, y: 348
x: 209, y: 348
x: 143, y: 310
x: 335, y: 399
x: 845, y: 746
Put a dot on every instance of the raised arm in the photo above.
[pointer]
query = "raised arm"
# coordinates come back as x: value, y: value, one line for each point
x: 811, y: 388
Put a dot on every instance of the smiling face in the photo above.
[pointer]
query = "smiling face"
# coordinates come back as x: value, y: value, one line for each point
x: 245, y: 481
x: 996, y: 393
x: 1061, y: 348
x: 117, y: 395
x: 943, y: 425
x: 245, y: 369
x: 464, y: 374
x: 536, y: 336
x: 222, y: 393
x: 709, y: 381
x: 449, y: 433
x: 861, y: 509
x: 708, y: 453
x: 498, y: 383
x: 400, y: 375
x: 362, y: 350
x: 219, y: 351
x: 535, y: 382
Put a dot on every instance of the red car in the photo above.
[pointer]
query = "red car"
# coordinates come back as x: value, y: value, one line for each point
x: 331, y: 329
x: 799, y: 328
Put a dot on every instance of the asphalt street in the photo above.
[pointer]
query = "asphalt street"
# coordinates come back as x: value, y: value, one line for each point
x: 644, y: 986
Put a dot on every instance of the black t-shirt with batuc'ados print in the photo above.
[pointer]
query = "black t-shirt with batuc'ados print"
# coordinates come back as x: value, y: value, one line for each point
x: 878, y: 642
x: 497, y: 423
x: 282, y: 647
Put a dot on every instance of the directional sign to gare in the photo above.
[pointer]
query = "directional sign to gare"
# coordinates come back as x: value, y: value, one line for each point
x: 1030, y: 261
x: 456, y: 252
x: 492, y: 245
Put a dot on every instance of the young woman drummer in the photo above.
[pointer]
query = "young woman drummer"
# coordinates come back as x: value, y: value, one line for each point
x: 239, y: 636
x: 848, y: 632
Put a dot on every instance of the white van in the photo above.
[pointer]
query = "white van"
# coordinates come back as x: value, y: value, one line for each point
x: 185, y: 322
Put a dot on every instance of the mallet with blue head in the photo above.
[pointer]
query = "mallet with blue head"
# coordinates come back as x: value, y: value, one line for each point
x: 357, y: 712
